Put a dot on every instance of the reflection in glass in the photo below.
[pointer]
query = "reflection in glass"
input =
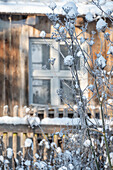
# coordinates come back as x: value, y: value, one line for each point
x: 40, y: 55
x: 68, y: 93
x: 41, y: 91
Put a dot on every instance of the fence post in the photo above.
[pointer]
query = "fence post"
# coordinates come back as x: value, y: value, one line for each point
x: 15, y: 111
x: 46, y: 112
x: 35, y: 144
x: 55, y: 141
x: 5, y: 110
x: 65, y: 112
x: 35, y: 111
x: 5, y: 142
x: 56, y: 112
x: 63, y: 142
x: 15, y: 144
x: 24, y: 111
x: 24, y: 138
x: 45, y: 149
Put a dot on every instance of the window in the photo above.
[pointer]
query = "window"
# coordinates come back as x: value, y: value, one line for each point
x: 45, y: 79
x: 41, y: 91
x: 40, y: 55
x: 65, y: 52
x: 97, y: 115
x: 68, y: 94
x: 89, y: 114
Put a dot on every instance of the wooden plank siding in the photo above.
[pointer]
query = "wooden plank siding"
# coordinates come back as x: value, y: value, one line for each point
x: 96, y: 48
x: 14, y: 55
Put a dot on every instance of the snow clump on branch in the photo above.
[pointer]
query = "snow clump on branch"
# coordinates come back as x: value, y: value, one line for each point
x: 9, y: 153
x: 101, y: 25
x: 28, y: 143
x: 100, y: 61
x: 43, y: 34
x: 87, y: 143
x: 89, y: 17
x: 71, y: 10
x: 68, y: 60
x: 52, y: 5
x: 110, y: 51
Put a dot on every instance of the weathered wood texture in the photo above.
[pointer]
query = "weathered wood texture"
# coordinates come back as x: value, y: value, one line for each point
x: 25, y: 129
x: 101, y: 45
x: 15, y: 32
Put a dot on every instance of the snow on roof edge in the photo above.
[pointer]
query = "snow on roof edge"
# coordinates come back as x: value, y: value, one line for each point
x: 40, y: 8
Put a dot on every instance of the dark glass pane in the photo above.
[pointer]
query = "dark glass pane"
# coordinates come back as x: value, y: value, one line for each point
x: 64, y: 51
x: 68, y: 94
x: 40, y: 55
x: 41, y: 91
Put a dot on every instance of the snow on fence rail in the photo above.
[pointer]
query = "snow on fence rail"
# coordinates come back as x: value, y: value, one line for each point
x: 36, y: 123
x: 41, y: 112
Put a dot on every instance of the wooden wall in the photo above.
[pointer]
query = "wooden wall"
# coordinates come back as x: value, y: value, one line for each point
x: 15, y: 32
x: 98, y: 37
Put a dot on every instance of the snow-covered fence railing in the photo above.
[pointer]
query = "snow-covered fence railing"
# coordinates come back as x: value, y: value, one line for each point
x: 40, y: 111
x: 45, y: 111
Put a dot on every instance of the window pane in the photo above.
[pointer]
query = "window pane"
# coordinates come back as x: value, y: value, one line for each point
x: 68, y: 93
x: 40, y: 55
x: 41, y: 91
x: 64, y: 51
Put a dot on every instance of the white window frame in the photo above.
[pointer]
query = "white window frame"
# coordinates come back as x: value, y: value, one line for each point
x: 54, y: 74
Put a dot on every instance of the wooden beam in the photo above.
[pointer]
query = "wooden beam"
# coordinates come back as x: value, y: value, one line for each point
x: 25, y: 129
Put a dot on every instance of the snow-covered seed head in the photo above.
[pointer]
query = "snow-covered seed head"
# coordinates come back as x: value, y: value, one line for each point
x: 60, y: 92
x: 101, y: 25
x: 68, y: 60
x: 82, y: 40
x: 53, y: 145
x: 91, y: 87
x: 70, y: 9
x: 52, y: 5
x: 1, y: 158
x: 72, y: 14
x: 101, y: 62
x: 61, y: 30
x: 36, y: 156
x: 43, y: 34
x: 87, y: 143
x: 89, y: 17
x: 57, y: 26
x: 9, y: 153
x: 71, y: 167
x: 27, y: 163
x: 106, y: 36
x: 58, y: 150
x: 110, y: 51
x: 28, y: 143
x: 52, y: 61
x: 91, y: 42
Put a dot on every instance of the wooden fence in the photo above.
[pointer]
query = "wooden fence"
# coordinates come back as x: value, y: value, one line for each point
x: 41, y: 112
x: 14, y: 136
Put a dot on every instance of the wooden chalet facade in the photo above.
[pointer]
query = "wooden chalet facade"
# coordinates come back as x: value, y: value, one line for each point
x: 20, y: 42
